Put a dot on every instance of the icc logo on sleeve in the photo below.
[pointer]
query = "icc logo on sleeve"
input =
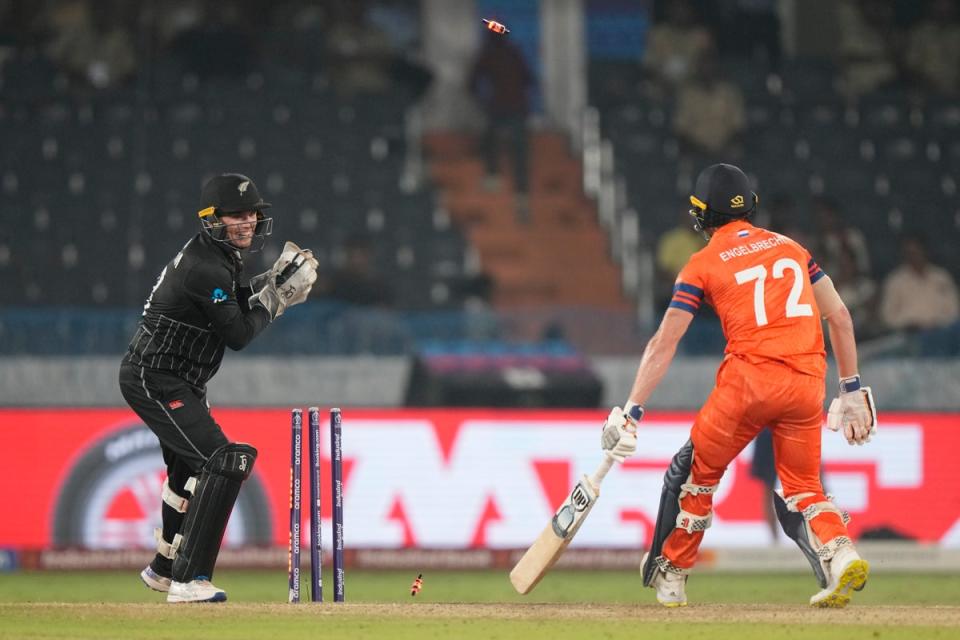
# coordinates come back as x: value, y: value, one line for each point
x: 218, y: 295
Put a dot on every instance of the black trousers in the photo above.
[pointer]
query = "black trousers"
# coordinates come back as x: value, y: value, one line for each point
x: 188, y: 434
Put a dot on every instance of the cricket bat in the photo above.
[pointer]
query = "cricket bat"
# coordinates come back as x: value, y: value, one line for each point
x: 552, y: 542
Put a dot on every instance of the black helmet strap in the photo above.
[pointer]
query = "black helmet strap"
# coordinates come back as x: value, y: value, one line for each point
x: 218, y: 230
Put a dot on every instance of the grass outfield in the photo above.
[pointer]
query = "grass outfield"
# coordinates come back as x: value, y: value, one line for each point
x: 475, y: 605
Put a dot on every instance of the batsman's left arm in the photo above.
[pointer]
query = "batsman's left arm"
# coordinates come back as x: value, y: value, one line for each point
x: 853, y: 410
x: 839, y: 325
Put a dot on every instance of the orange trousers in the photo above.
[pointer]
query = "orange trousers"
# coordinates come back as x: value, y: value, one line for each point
x: 748, y: 397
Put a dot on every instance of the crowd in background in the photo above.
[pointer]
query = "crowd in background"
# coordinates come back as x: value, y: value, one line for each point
x: 913, y: 48
x: 881, y: 43
x: 103, y: 44
x: 368, y: 47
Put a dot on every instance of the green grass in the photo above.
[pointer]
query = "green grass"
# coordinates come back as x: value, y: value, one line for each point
x: 566, y: 604
x: 597, y: 587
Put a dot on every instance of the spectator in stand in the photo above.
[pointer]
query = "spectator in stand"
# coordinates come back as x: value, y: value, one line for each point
x: 16, y: 27
x: 710, y: 114
x: 92, y: 45
x: 360, y: 55
x: 172, y: 19
x: 859, y: 292
x: 933, y: 48
x: 217, y: 39
x: 366, y: 323
x: 750, y: 28
x: 786, y: 219
x: 837, y: 238
x: 870, y: 45
x: 674, y: 249
x: 357, y: 282
x: 500, y: 81
x: 674, y: 47
x: 921, y: 299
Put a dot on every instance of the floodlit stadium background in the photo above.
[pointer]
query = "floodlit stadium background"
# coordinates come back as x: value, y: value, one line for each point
x: 443, y: 286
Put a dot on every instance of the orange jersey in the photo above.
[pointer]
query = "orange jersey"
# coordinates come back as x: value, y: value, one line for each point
x: 760, y: 284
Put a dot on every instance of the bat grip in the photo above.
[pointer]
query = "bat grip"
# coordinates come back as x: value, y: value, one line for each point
x: 601, y: 471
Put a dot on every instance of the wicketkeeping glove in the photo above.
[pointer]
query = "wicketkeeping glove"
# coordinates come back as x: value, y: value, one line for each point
x: 619, y: 436
x: 290, y: 251
x: 289, y: 281
x: 260, y: 280
x: 853, y: 411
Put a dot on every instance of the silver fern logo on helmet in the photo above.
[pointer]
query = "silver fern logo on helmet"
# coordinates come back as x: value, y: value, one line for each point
x: 242, y: 187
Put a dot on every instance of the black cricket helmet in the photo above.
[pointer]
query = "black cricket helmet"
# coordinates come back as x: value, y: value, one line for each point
x: 722, y: 194
x: 232, y: 193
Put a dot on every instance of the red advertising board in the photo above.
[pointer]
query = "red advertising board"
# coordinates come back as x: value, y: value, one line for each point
x: 453, y: 479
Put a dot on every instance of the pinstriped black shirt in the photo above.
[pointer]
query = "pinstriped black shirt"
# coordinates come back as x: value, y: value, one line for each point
x: 196, y: 309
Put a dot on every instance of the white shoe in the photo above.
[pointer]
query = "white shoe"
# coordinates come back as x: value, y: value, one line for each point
x: 848, y: 572
x: 154, y: 580
x: 670, y: 586
x: 199, y: 590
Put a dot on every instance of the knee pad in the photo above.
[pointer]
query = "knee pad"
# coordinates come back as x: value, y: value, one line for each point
x: 214, y: 494
x: 795, y: 522
x: 671, y: 515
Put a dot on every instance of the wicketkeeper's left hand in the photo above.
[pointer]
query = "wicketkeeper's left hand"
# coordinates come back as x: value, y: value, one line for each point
x: 288, y: 283
x: 619, y: 436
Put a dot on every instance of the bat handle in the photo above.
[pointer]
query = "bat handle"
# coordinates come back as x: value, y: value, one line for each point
x: 601, y: 471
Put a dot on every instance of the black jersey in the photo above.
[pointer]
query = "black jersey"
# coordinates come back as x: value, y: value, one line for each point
x: 196, y: 308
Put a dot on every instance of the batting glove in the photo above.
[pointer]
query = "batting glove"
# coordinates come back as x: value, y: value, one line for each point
x: 853, y: 411
x: 619, y: 436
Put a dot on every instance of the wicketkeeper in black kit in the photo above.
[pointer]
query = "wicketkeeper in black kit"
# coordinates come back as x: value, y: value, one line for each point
x: 196, y: 309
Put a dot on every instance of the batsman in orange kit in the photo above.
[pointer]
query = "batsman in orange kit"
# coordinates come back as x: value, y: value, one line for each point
x: 770, y: 296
